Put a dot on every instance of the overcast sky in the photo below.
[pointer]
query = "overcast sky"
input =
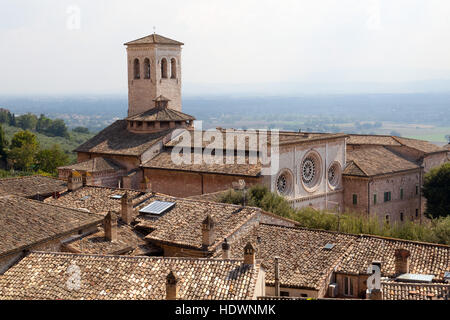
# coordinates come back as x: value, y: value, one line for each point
x: 228, y: 43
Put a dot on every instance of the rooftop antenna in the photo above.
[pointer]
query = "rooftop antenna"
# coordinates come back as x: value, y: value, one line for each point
x: 154, y: 30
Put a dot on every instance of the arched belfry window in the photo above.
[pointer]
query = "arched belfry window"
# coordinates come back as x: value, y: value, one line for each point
x: 147, y: 68
x: 164, y: 68
x: 173, y: 67
x: 137, y: 69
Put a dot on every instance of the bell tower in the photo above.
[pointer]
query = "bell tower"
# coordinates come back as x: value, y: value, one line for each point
x: 154, y: 69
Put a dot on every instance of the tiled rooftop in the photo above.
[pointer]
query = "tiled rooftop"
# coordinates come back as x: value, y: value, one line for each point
x: 375, y: 160
x: 97, y: 164
x: 116, y: 139
x: 24, y: 222
x: 161, y: 114
x: 164, y: 161
x: 31, y: 186
x: 154, y: 39
x: 304, y: 262
x: 129, y: 241
x: 96, y: 199
x: 410, y: 291
x: 419, y: 145
x: 45, y: 276
x: 181, y: 226
x: 426, y: 258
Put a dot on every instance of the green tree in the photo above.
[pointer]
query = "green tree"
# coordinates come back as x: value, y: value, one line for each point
x: 81, y: 130
x: 43, y: 124
x: 58, y: 128
x: 48, y: 160
x: 24, y: 147
x: 3, y: 144
x: 27, y: 121
x: 436, y: 189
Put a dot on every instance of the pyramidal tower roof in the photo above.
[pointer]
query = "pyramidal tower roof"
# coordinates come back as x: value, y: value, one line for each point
x: 155, y: 39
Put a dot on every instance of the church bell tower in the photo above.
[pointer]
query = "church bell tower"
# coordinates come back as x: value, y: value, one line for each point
x: 154, y: 69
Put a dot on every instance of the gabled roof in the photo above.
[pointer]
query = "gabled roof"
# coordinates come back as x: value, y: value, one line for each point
x: 182, y: 225
x: 425, y: 258
x: 164, y: 161
x: 24, y: 222
x: 393, y: 141
x: 161, y: 114
x: 117, y: 140
x: 97, y: 164
x: 96, y: 199
x: 154, y: 39
x: 375, y: 160
x: 31, y: 186
x: 44, y: 276
x: 411, y: 291
x: 304, y: 260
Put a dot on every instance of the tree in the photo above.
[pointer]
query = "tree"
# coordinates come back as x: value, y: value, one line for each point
x: 58, y: 128
x: 27, y: 121
x: 49, y: 160
x: 3, y: 144
x: 81, y: 130
x: 24, y: 147
x: 436, y: 189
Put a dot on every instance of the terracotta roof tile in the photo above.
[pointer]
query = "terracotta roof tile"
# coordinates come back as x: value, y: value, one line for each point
x: 25, y: 222
x: 181, y: 226
x: 97, y: 164
x: 304, y: 262
x: 376, y: 160
x: 154, y: 39
x: 411, y: 291
x: 45, y: 276
x: 426, y: 258
x: 116, y: 139
x: 164, y: 161
x: 31, y: 186
x: 161, y: 114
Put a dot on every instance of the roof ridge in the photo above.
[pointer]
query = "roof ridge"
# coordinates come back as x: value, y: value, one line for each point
x: 299, y: 228
x: 131, y: 257
x: 362, y: 235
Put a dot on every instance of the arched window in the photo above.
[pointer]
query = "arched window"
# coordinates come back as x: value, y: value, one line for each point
x: 147, y: 68
x: 164, y: 68
x: 173, y: 66
x: 137, y: 69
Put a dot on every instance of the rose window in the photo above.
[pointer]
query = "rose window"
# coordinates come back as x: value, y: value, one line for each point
x: 309, y: 170
x: 333, y: 175
x: 282, y: 184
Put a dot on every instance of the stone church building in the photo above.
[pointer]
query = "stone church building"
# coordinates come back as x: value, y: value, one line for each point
x: 324, y: 171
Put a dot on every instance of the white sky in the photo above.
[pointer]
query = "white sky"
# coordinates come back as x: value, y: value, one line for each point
x: 227, y: 43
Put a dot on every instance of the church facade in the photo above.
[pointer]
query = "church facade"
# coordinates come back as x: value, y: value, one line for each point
x: 320, y: 170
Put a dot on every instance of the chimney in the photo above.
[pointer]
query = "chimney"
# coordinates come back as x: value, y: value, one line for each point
x: 88, y: 179
x: 146, y: 185
x: 127, y: 208
x: 277, y: 276
x: 171, y: 286
x: 110, y: 226
x: 225, y: 250
x: 208, y: 234
x: 249, y: 254
x: 74, y: 181
x: 126, y: 182
x: 402, y: 261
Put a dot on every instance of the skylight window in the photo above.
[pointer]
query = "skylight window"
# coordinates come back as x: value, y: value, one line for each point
x: 116, y: 196
x: 157, y: 207
x: 85, y: 198
x: 329, y: 246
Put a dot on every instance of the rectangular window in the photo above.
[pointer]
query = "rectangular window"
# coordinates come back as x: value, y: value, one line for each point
x: 401, y: 216
x: 417, y: 190
x: 387, y: 219
x: 374, y: 199
x: 355, y: 199
x: 284, y: 294
x: 401, y: 194
x: 348, y: 286
x: 303, y: 295
x: 387, y: 196
x: 417, y: 213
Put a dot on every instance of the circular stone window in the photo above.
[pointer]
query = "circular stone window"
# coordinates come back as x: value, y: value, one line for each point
x: 310, y: 171
x: 284, y: 182
x: 334, y: 174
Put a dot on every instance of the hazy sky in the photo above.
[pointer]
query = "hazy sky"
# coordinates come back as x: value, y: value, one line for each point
x: 228, y: 43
